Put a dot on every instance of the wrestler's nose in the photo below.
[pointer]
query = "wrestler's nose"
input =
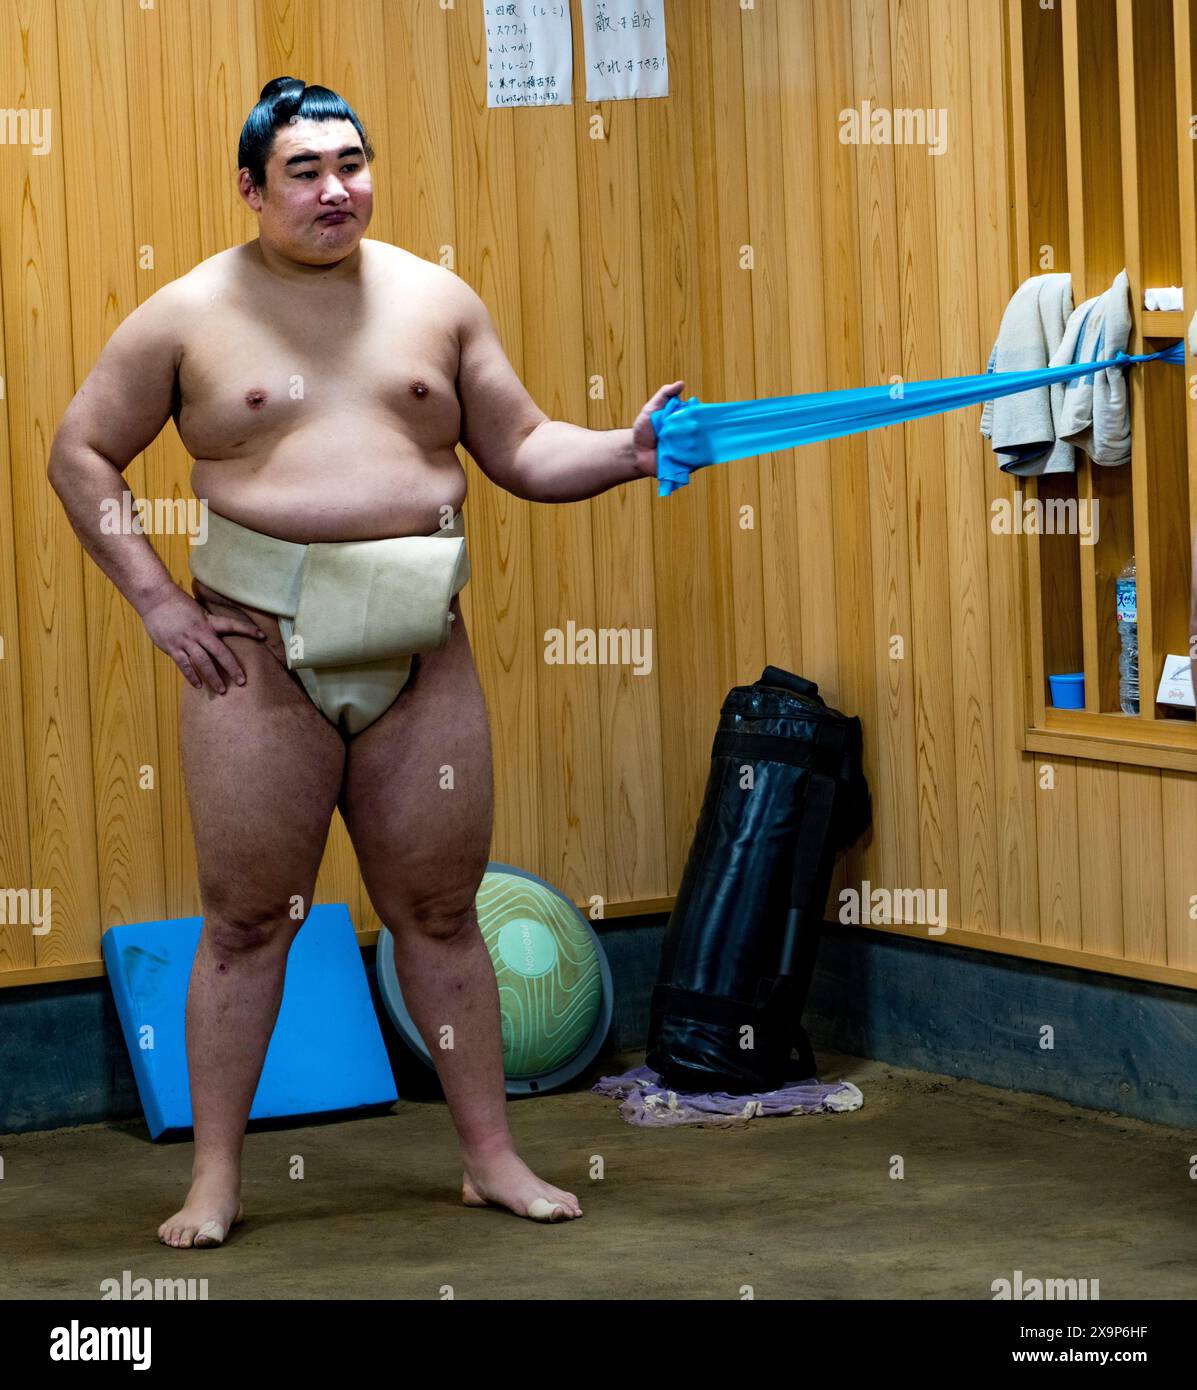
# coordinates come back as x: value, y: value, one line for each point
x: 334, y: 191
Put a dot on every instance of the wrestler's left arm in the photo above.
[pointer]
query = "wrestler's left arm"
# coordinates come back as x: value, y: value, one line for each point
x: 518, y: 447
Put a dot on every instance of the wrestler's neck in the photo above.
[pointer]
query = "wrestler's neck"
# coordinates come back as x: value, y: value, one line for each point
x: 347, y: 269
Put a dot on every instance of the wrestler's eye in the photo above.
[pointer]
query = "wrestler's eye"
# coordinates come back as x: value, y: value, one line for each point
x: 345, y: 168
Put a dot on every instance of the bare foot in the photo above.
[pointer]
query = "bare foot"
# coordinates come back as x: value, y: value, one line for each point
x: 212, y: 1208
x: 505, y: 1180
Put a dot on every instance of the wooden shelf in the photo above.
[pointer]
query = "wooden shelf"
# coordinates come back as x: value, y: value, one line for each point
x: 1106, y: 87
x: 1116, y: 738
x: 1164, y: 323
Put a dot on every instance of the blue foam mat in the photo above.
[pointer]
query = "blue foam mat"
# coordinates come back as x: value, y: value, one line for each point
x: 326, y: 1052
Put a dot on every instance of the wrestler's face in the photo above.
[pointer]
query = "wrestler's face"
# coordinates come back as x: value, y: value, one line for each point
x: 318, y: 197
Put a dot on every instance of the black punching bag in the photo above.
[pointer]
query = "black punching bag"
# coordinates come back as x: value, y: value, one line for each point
x: 785, y: 792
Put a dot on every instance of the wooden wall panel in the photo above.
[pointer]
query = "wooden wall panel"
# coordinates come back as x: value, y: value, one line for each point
x: 622, y: 528
x: 50, y: 613
x: 929, y: 646
x: 894, y: 784
x: 166, y: 219
x: 725, y: 235
x: 103, y: 256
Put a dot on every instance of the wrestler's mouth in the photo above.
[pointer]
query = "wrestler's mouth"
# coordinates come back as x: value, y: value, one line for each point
x: 335, y: 217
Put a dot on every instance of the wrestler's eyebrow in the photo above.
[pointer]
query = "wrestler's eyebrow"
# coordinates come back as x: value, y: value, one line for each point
x: 304, y: 155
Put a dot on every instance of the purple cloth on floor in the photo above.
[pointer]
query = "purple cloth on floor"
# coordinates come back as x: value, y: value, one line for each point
x: 646, y: 1101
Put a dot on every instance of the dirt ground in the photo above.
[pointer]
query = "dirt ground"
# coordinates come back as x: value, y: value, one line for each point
x: 993, y: 1182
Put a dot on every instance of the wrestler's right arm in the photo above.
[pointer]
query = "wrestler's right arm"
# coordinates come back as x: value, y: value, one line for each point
x: 120, y: 409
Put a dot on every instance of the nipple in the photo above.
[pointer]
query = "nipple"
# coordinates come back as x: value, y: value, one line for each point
x: 256, y: 398
x: 419, y: 389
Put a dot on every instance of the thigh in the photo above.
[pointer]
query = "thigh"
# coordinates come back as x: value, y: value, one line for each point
x: 418, y: 794
x: 263, y: 769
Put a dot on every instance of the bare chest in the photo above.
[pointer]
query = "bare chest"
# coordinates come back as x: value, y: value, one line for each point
x: 253, y: 373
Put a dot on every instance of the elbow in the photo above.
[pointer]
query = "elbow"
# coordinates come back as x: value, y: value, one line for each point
x: 56, y: 468
x: 62, y: 467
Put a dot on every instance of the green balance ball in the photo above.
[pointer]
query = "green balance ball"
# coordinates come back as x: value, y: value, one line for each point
x: 555, y: 997
x: 547, y: 969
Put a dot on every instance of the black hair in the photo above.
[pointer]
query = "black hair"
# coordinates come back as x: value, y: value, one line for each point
x: 282, y: 100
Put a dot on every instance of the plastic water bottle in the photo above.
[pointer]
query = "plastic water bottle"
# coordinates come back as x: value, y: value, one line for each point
x: 1128, y: 633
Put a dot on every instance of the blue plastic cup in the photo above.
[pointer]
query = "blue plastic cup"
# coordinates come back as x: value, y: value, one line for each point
x: 1068, y: 690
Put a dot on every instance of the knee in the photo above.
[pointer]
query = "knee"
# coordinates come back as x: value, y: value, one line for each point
x: 442, y: 917
x: 236, y: 929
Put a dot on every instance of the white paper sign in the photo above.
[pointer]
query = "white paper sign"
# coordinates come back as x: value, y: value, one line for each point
x: 624, y: 44
x: 1176, y: 684
x: 529, y: 53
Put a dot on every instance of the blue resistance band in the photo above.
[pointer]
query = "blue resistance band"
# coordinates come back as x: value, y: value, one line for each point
x: 692, y: 434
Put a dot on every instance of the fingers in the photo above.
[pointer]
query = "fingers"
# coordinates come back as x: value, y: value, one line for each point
x: 203, y: 665
x: 223, y: 657
x: 183, y: 661
x: 205, y: 660
x: 663, y: 395
x: 243, y: 627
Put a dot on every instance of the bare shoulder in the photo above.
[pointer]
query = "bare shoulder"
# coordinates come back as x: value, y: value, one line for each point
x: 167, y: 312
x: 444, y: 291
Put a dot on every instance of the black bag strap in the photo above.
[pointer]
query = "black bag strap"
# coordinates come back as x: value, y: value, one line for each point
x: 825, y: 753
x: 787, y: 680
x: 715, y: 1008
x: 818, y: 816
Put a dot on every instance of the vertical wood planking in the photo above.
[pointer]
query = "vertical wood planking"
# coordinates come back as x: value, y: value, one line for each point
x: 689, y: 602
x: 748, y: 208
x: 1140, y: 483
x: 1071, y: 47
x: 1178, y: 807
x: 893, y: 855
x: 1100, y: 858
x: 504, y: 638
x: 964, y: 484
x: 50, y: 594
x: 808, y: 640
x: 843, y: 220
x: 1059, y: 922
x: 166, y: 195
x: 1145, y: 925
x: 1017, y: 871
x: 573, y: 830
x: 16, y: 941
x: 930, y: 644
x: 621, y: 519
x: 119, y: 671
x: 417, y: 131
x: 774, y: 585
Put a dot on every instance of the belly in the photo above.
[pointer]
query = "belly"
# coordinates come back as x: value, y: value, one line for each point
x: 366, y: 487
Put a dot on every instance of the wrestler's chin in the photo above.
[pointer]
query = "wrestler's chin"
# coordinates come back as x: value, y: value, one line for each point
x: 333, y: 241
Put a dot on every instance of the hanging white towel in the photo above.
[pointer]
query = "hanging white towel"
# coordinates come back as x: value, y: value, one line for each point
x: 1096, y: 414
x: 1023, y: 428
